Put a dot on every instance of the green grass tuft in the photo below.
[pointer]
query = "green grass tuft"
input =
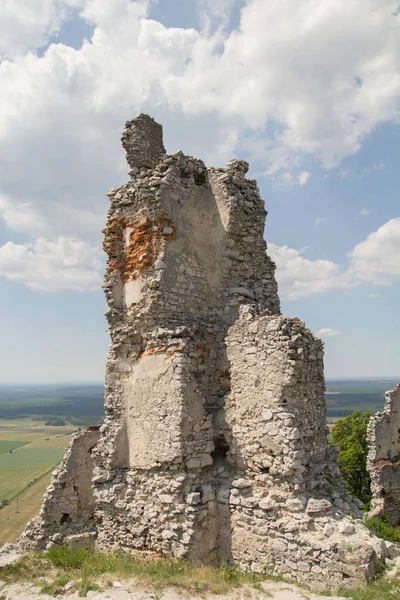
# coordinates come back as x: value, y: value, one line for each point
x: 383, y: 530
x: 380, y: 589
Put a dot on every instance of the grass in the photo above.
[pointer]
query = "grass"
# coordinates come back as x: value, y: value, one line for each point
x: 382, y: 529
x: 91, y: 570
x: 380, y: 589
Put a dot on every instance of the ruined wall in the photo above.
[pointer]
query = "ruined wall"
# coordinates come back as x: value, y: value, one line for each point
x: 287, y: 504
x: 214, y: 440
x: 384, y: 459
x: 67, y: 511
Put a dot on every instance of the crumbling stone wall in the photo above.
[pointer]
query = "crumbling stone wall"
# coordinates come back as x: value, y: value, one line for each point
x: 384, y: 459
x: 68, y: 506
x: 214, y: 439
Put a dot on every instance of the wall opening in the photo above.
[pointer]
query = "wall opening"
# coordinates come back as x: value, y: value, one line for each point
x: 219, y: 454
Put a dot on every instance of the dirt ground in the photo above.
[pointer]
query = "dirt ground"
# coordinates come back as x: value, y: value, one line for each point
x: 129, y: 590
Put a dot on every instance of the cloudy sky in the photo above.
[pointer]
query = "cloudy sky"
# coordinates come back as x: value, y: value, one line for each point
x: 308, y: 92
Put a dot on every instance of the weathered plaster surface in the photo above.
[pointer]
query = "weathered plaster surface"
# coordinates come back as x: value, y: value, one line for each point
x: 214, y: 439
x: 384, y: 459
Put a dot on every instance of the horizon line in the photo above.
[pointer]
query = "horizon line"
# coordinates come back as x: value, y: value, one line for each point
x: 101, y: 382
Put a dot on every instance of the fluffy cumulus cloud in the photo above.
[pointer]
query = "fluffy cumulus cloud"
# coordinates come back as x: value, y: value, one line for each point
x: 52, y: 265
x: 298, y: 276
x: 328, y: 332
x: 27, y: 24
x: 293, y: 79
x: 376, y: 260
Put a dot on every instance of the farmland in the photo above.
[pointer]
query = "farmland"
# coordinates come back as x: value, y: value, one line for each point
x: 15, y: 516
x: 343, y: 397
x: 29, y: 451
x: 81, y: 403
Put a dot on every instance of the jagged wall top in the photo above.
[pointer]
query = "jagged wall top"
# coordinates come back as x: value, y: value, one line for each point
x: 185, y: 241
x: 142, y: 140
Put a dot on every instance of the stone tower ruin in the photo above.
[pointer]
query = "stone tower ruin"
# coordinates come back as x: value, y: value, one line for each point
x: 384, y: 459
x: 215, y: 440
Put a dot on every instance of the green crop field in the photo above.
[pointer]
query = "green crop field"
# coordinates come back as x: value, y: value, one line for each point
x: 25, y: 471
x: 15, y: 516
x: 9, y: 446
x: 30, y: 450
x: 18, y: 469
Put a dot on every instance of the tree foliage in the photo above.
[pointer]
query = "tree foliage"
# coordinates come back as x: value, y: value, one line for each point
x: 350, y: 435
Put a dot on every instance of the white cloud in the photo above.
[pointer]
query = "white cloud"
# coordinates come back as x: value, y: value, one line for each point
x: 365, y: 212
x: 52, y: 265
x: 216, y: 13
x: 287, y: 178
x: 298, y: 276
x: 280, y: 88
x: 27, y: 24
x: 328, y: 332
x: 377, y: 259
x: 303, y: 177
x: 320, y: 220
x: 348, y: 173
x: 374, y: 168
x: 373, y: 295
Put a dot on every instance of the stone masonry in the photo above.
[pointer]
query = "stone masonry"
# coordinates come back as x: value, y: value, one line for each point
x: 215, y: 441
x: 384, y: 459
x: 68, y: 504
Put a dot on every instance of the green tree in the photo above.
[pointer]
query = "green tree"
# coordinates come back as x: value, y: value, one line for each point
x: 350, y: 435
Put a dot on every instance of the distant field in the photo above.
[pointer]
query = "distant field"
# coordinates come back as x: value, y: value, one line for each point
x: 25, y: 472
x: 345, y: 396
x: 36, y: 449
x: 82, y: 402
x: 12, y: 523
x: 30, y: 450
x: 6, y: 446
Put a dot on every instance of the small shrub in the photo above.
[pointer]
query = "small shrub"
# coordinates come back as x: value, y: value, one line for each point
x: 379, y: 589
x: 86, y: 586
x: 383, y: 530
x: 67, y: 558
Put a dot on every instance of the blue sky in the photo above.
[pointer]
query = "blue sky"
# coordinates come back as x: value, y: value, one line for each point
x: 308, y: 92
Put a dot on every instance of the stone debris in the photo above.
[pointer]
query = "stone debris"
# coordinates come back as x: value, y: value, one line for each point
x: 9, y: 554
x: 215, y: 440
x: 384, y: 459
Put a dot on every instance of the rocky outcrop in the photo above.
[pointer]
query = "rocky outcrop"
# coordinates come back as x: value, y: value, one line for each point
x: 384, y: 459
x: 214, y: 441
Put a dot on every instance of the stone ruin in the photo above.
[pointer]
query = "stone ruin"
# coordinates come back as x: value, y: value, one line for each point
x: 215, y: 439
x: 384, y: 459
